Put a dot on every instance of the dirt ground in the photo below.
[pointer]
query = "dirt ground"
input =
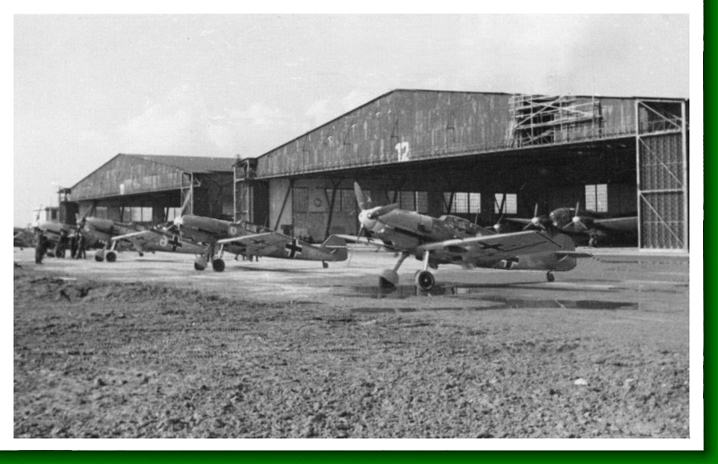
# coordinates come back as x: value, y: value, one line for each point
x: 148, y: 347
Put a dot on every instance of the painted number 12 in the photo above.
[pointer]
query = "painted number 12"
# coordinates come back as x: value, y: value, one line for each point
x: 402, y: 149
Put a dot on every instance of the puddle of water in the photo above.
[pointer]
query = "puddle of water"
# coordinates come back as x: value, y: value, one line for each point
x: 407, y: 291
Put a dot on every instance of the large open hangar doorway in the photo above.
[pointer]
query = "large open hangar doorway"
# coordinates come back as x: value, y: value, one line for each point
x: 468, y: 154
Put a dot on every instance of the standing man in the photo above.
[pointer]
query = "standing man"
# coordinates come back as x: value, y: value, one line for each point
x: 80, y: 246
x: 40, y: 246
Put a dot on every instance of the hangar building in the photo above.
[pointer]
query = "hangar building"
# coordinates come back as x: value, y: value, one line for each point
x: 467, y: 153
x: 152, y: 188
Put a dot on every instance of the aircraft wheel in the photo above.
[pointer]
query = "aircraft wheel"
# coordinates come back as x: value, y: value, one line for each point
x: 200, y: 264
x: 425, y: 280
x: 388, y: 279
x: 141, y: 254
x: 111, y: 257
x: 100, y: 256
x: 325, y: 264
x: 550, y: 277
x: 218, y: 265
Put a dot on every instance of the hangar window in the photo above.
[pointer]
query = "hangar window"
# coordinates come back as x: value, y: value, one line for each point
x: 300, y: 195
x: 407, y: 200
x: 463, y: 202
x: 509, y: 202
x: 597, y: 198
x: 422, y: 202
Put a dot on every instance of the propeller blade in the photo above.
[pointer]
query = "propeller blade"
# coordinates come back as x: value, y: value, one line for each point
x: 361, y: 230
x: 187, y: 199
x: 360, y: 197
x: 383, y: 210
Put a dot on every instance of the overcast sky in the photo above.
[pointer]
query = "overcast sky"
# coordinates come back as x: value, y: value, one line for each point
x: 89, y: 87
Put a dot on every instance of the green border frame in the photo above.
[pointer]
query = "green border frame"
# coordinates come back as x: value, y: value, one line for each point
x: 394, y: 457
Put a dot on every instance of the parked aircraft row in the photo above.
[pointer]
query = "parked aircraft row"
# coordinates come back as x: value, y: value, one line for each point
x: 543, y: 244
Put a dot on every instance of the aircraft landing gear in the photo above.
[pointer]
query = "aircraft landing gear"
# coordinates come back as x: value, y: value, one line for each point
x: 111, y: 256
x: 200, y: 263
x: 389, y: 278
x: 550, y: 277
x: 325, y: 264
x: 100, y: 256
x: 218, y: 265
x: 425, y: 279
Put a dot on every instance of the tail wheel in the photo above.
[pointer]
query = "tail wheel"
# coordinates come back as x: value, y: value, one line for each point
x: 325, y: 264
x: 425, y: 280
x: 550, y: 277
x: 218, y: 265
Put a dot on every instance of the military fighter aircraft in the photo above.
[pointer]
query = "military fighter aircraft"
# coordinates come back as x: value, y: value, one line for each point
x: 23, y: 237
x: 453, y: 240
x: 579, y: 224
x: 141, y: 240
x: 250, y: 240
x: 598, y: 229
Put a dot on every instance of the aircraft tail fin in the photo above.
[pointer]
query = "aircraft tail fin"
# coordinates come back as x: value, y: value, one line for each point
x: 337, y: 246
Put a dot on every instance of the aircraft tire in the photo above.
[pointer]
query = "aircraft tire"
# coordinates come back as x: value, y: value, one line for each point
x: 325, y: 264
x: 218, y: 265
x: 99, y: 256
x: 425, y: 280
x: 388, y: 279
x: 200, y: 264
x: 111, y: 257
x: 550, y: 277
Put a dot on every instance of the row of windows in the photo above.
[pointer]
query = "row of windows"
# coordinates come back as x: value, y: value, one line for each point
x: 458, y: 202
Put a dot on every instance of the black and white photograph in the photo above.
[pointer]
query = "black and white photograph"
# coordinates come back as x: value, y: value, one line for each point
x: 357, y: 230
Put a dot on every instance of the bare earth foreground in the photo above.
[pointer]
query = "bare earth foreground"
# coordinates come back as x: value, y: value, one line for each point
x: 148, y: 347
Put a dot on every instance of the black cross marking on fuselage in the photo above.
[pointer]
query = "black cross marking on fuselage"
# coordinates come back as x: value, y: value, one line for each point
x: 293, y: 248
x: 175, y: 243
x: 485, y: 246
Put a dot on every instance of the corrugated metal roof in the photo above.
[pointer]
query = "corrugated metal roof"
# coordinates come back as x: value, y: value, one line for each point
x: 191, y: 163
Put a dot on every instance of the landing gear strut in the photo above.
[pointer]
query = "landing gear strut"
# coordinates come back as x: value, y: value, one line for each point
x: 201, y: 261
x: 389, y: 278
x: 425, y: 279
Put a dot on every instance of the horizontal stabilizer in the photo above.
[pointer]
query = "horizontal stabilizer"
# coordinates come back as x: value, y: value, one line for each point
x: 573, y: 254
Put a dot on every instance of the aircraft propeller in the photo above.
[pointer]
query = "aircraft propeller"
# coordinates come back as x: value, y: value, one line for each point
x: 499, y: 226
x: 368, y: 216
x: 537, y: 221
x: 576, y: 221
x: 179, y: 220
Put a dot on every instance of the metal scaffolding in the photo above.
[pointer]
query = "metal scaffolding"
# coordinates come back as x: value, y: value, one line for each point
x: 547, y: 119
x: 662, y: 174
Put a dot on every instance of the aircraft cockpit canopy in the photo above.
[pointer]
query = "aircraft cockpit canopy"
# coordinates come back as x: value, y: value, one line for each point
x: 460, y: 224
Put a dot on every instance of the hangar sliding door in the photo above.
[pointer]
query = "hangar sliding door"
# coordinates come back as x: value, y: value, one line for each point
x: 662, y: 171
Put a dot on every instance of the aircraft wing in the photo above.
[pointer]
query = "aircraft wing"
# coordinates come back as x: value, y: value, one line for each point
x: 135, y: 235
x: 622, y: 224
x: 497, y: 246
x: 258, y: 244
x: 376, y: 242
x: 517, y: 220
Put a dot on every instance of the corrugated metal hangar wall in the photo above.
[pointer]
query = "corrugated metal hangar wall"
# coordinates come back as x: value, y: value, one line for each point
x: 151, y: 188
x: 460, y: 152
